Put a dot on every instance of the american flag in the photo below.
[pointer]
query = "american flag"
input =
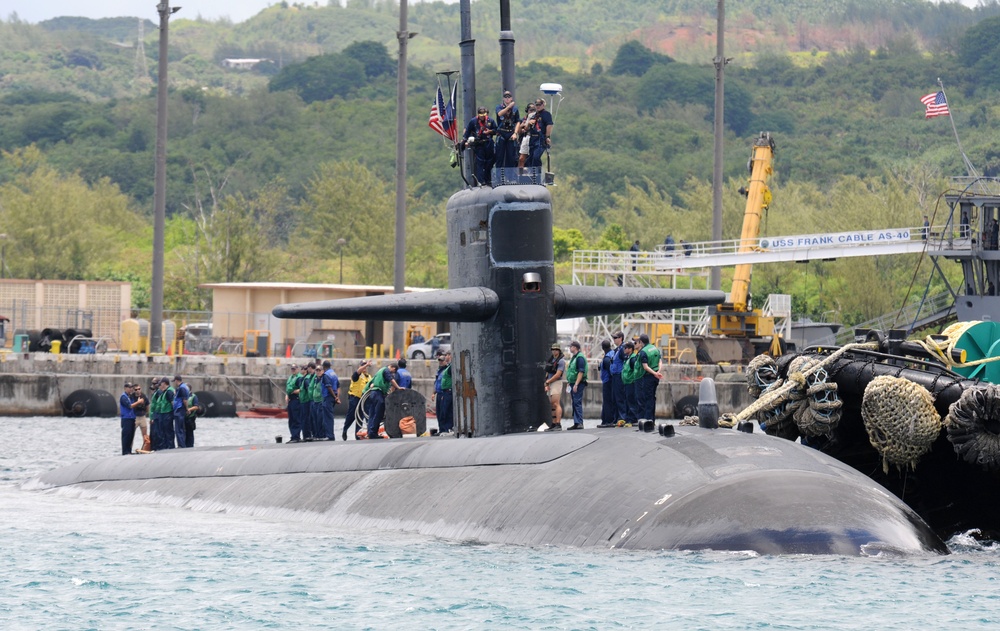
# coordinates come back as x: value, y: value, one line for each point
x: 936, y: 105
x: 443, y: 115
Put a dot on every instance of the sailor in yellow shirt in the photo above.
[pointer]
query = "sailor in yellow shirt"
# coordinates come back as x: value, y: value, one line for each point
x: 359, y: 379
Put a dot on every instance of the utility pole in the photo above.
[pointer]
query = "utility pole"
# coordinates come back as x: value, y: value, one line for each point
x: 3, y: 256
x: 399, y: 277
x: 468, y: 48
x: 341, y: 242
x: 160, y: 185
x: 715, y: 278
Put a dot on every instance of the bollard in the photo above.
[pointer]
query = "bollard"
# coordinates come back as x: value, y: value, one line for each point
x: 708, y: 405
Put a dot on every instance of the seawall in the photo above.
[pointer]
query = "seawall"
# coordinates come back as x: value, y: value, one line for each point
x: 35, y: 384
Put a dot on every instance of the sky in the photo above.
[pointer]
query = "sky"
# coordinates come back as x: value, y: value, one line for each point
x: 38, y: 10
x: 236, y: 10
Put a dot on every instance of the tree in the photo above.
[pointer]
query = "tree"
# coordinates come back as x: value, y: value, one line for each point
x: 320, y: 78
x: 647, y: 214
x: 226, y: 238
x: 568, y: 206
x: 373, y: 56
x: 565, y: 242
x: 979, y: 42
x: 241, y: 236
x: 635, y: 59
x: 345, y: 200
x: 58, y: 226
x: 426, y: 247
x: 614, y: 237
x: 675, y: 82
x: 694, y: 84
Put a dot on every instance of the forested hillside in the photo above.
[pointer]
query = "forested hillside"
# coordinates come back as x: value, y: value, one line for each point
x: 268, y: 168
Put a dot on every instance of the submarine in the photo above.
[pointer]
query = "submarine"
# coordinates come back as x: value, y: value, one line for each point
x: 499, y: 481
x: 698, y: 489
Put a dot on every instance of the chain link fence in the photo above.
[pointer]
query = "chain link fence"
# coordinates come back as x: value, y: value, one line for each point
x: 33, y: 328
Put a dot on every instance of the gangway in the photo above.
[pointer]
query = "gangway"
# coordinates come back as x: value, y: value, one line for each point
x: 784, y: 249
x: 687, y: 266
x: 937, y: 309
x: 806, y: 247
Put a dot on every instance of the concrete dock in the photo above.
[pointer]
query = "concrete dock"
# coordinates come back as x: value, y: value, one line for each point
x: 36, y: 384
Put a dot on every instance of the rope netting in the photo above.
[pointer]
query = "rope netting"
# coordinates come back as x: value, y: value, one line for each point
x: 900, y: 418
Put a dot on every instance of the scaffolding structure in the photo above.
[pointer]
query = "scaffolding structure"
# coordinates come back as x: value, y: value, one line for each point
x: 658, y: 269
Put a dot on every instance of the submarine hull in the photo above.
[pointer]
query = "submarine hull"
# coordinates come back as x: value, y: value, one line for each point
x: 699, y: 489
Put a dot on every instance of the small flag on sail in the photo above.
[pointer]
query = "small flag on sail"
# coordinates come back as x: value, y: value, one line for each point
x: 936, y: 105
x: 436, y: 121
x: 450, y: 124
x: 442, y: 118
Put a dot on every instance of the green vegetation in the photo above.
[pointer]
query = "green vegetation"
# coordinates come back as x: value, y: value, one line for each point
x: 269, y: 167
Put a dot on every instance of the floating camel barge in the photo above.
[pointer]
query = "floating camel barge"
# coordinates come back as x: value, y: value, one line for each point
x: 926, y: 433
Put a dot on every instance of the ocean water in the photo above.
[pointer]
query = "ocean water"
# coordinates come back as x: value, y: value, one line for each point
x: 90, y: 564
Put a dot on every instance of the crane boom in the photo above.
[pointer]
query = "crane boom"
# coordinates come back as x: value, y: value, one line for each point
x: 758, y: 199
x: 737, y: 318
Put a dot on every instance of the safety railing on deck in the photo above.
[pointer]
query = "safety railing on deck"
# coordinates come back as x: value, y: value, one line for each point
x: 900, y: 319
x: 510, y: 176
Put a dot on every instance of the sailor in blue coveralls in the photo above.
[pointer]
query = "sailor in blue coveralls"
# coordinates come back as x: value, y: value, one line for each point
x: 617, y: 385
x: 404, y: 379
x: 127, y: 405
x: 330, y: 385
x: 182, y: 392
x: 541, y: 135
x: 479, y: 137
x: 608, y: 409
x: 507, y: 118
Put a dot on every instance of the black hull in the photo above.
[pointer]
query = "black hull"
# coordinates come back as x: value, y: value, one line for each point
x: 699, y: 489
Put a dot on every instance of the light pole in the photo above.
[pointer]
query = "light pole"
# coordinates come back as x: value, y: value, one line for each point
x: 720, y: 61
x: 160, y: 185
x: 399, y: 251
x: 3, y: 256
x: 340, y: 244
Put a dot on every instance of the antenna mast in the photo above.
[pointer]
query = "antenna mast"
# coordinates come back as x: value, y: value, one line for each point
x: 141, y: 70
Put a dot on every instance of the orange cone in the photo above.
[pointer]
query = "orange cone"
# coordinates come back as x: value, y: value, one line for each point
x: 288, y: 351
x: 397, y: 354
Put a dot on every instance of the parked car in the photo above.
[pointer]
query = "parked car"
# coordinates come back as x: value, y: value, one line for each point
x: 423, y: 350
x: 197, y: 338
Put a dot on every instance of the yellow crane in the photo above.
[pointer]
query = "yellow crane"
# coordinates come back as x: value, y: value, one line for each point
x: 737, y: 318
